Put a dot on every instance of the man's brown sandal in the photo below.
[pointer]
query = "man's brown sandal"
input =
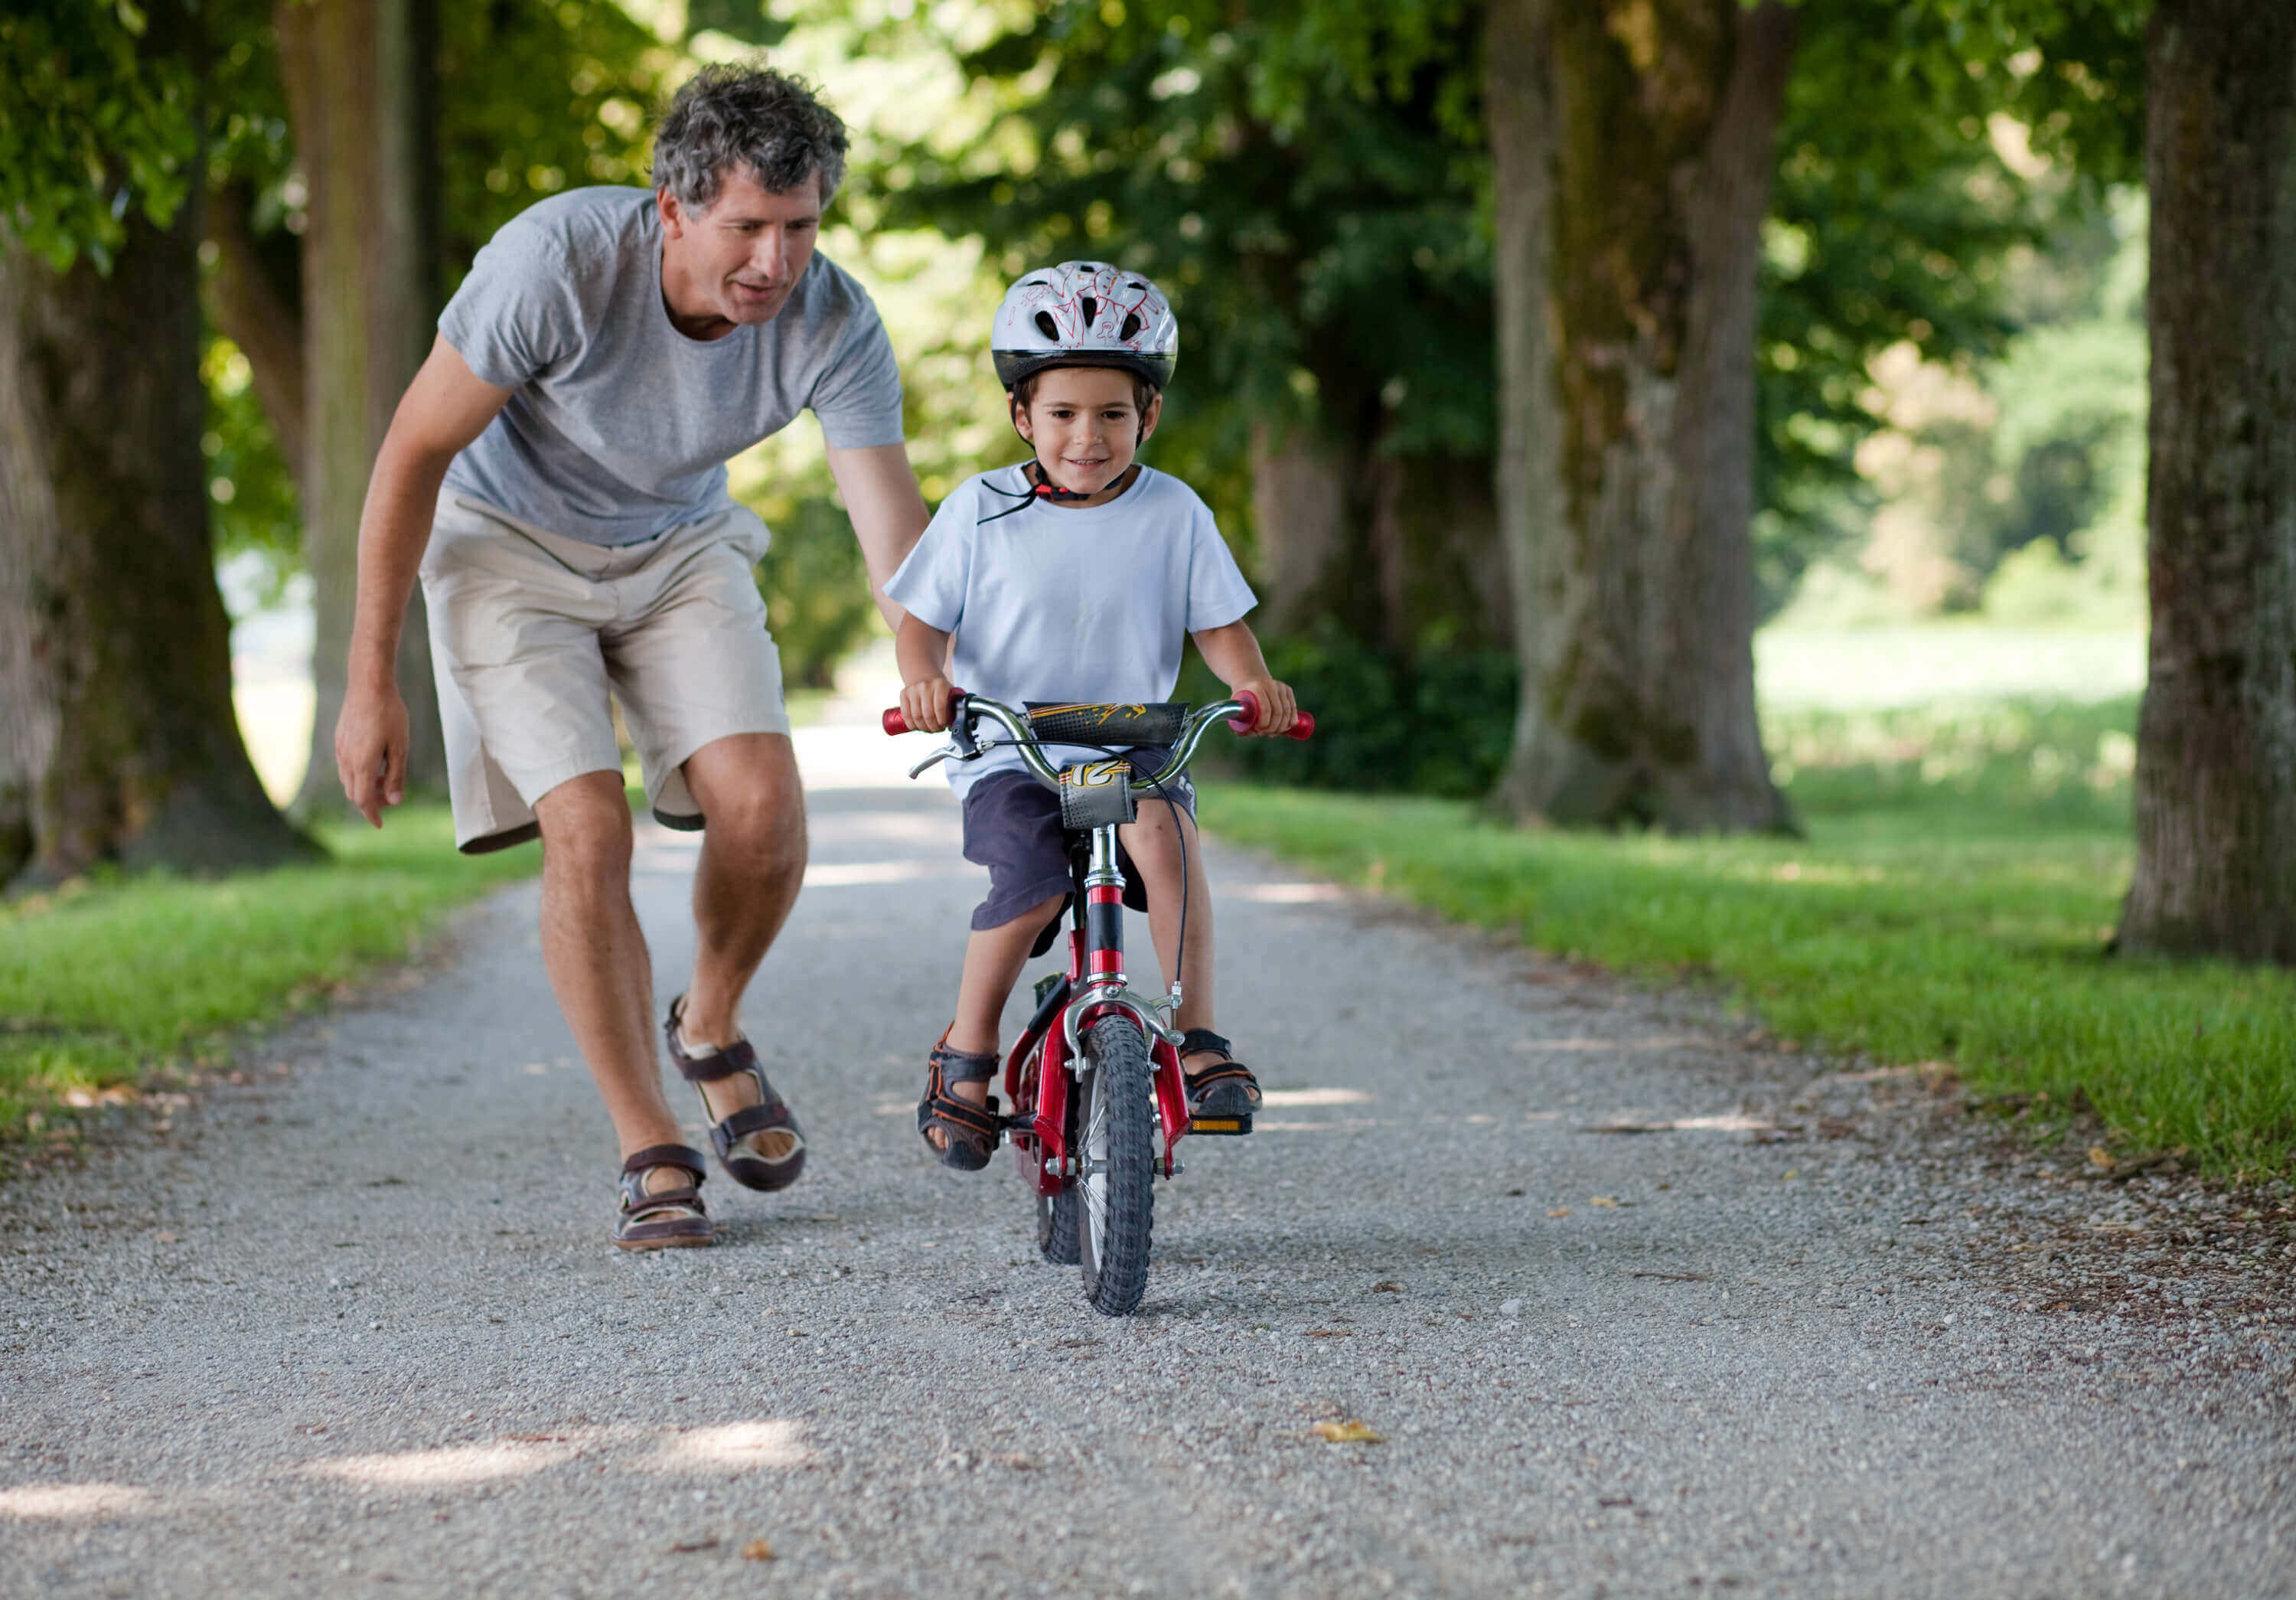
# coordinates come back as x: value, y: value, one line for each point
x: 972, y: 1131
x: 1222, y: 1095
x: 742, y: 1164
x: 662, y: 1218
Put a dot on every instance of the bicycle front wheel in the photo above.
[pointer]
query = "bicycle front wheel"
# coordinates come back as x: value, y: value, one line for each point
x: 1057, y: 1228
x: 1116, y: 1122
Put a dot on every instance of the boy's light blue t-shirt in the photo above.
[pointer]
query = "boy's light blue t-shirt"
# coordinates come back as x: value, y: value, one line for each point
x: 1054, y: 602
x: 619, y: 427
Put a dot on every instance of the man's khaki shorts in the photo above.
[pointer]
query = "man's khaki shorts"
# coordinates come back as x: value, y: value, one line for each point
x: 531, y: 632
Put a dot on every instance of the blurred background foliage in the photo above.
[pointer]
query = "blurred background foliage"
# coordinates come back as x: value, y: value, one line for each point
x: 1950, y: 357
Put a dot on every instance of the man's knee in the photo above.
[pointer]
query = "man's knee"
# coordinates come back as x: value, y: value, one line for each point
x: 764, y: 829
x: 750, y: 798
x: 586, y: 828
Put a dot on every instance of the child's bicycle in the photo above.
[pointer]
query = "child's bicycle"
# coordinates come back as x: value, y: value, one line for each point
x: 1099, y: 1101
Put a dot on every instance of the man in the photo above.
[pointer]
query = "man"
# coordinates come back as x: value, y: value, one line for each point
x: 608, y: 352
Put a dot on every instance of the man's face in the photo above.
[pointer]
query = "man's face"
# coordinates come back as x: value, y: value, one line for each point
x: 734, y: 264
x: 1086, y: 426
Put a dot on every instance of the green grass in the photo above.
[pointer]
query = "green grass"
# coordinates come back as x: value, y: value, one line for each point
x: 108, y: 987
x: 1962, y: 872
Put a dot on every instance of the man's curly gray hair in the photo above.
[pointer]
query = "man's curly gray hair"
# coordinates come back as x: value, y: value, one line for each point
x: 731, y: 114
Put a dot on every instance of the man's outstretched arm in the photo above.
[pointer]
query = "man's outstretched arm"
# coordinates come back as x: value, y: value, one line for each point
x: 887, y: 509
x: 445, y: 408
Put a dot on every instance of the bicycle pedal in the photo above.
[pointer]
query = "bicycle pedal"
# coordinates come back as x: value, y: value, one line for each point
x: 1221, y: 1127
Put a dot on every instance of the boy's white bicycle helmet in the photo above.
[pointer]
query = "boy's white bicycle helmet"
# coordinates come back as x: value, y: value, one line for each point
x: 1084, y: 314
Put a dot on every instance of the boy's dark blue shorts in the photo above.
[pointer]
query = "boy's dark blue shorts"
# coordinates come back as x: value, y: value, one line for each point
x: 1012, y: 827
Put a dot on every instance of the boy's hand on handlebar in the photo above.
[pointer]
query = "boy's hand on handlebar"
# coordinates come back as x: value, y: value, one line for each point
x: 924, y: 704
x: 1278, y: 710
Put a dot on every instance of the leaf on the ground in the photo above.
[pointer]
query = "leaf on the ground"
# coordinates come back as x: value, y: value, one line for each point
x: 687, y: 1546
x: 2099, y: 1156
x: 1385, y: 1287
x: 757, y: 1549
x: 1603, y: 1199
x: 1330, y: 1334
x: 1351, y: 1431
x: 1561, y: 1211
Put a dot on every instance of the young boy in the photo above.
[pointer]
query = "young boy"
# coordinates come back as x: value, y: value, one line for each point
x: 1072, y: 577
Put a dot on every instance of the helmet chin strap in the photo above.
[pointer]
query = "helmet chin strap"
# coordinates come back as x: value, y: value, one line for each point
x: 1044, y: 488
x: 1041, y: 488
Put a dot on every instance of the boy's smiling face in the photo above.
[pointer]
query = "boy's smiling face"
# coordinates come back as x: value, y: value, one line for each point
x: 1086, y: 426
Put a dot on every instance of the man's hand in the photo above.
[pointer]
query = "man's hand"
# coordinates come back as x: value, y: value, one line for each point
x: 1278, y: 710
x: 924, y: 704
x: 371, y: 741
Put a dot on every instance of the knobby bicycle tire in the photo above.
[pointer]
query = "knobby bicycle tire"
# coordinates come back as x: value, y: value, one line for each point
x: 1059, y: 1219
x: 1116, y: 1122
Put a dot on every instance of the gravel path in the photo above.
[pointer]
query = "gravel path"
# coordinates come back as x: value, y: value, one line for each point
x: 357, y: 1325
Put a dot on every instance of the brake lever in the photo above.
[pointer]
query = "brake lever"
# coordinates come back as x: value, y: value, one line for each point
x: 956, y: 752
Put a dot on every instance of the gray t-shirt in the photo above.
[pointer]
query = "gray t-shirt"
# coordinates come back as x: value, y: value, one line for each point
x: 1054, y: 602
x: 618, y: 426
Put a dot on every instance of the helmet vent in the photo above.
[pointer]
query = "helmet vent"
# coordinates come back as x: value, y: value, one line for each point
x: 1136, y: 283
x: 1046, y: 326
x: 1131, y: 326
x: 1091, y: 310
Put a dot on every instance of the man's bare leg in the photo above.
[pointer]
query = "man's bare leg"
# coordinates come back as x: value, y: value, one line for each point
x: 752, y: 863
x: 596, y: 957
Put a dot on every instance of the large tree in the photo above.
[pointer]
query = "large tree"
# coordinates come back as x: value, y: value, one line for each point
x: 118, y: 740
x: 1635, y: 149
x: 2216, y: 764
x: 359, y: 76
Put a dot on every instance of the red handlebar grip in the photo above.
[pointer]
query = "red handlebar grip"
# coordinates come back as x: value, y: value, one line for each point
x: 1300, y: 729
x: 896, y: 722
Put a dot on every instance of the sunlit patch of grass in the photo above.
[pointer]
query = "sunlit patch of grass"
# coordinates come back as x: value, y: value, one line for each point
x: 1960, y: 917
x: 113, y: 983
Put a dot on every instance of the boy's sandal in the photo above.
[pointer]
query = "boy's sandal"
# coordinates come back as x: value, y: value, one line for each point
x: 744, y: 1164
x: 1225, y: 1089
x: 972, y: 1131
x: 662, y: 1218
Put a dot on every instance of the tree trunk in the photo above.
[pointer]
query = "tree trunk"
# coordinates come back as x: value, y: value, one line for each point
x: 355, y: 71
x: 2216, y: 741
x: 1632, y: 148
x: 1434, y: 546
x: 1300, y: 516
x: 119, y: 736
x: 1400, y: 551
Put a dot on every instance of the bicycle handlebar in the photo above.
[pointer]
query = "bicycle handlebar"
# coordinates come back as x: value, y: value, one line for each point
x: 1241, y: 712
